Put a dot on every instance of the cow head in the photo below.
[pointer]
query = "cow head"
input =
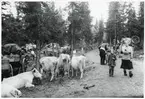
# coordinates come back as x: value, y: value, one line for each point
x: 16, y: 93
x: 64, y: 58
x: 36, y: 73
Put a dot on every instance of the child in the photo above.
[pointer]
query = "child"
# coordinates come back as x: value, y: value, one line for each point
x: 111, y: 62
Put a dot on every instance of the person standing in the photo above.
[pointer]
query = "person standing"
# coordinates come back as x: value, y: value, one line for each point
x: 102, y: 55
x: 127, y: 55
x: 111, y: 62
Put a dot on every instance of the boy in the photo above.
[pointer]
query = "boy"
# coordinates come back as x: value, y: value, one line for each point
x: 111, y: 62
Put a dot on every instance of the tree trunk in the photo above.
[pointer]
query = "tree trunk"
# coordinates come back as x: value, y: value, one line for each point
x: 53, y: 48
x: 72, y: 40
x: 37, y: 55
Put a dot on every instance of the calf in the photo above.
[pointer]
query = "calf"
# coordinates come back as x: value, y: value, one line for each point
x: 48, y: 64
x: 23, y: 80
x: 63, y: 64
x: 78, y: 62
x: 9, y: 91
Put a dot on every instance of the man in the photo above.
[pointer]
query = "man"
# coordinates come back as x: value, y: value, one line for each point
x: 102, y: 55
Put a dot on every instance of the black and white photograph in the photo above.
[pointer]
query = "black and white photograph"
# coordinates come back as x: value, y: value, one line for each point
x: 72, y: 49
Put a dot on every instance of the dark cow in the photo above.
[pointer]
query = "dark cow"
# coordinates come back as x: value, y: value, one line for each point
x: 28, y: 58
x: 66, y: 50
x: 51, y: 49
x: 7, y: 69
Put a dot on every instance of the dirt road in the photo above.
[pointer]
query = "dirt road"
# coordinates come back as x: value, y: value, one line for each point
x: 95, y: 75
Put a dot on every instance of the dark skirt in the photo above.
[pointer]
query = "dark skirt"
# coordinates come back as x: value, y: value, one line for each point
x: 126, y: 64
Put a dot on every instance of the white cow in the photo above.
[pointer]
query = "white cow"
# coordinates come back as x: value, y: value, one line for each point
x: 48, y: 64
x: 78, y: 62
x: 63, y: 62
x: 23, y: 80
x: 9, y: 91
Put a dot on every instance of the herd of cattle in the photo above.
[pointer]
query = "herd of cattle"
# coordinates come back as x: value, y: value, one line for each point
x: 18, y: 65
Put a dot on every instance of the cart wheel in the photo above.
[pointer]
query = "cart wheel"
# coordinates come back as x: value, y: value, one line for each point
x: 20, y: 70
x: 11, y: 70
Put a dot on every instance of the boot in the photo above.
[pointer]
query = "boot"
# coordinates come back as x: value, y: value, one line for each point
x: 125, y: 74
x: 130, y: 74
x: 112, y: 72
x: 109, y: 72
x: 101, y: 60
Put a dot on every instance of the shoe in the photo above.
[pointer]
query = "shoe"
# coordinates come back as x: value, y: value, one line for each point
x: 125, y: 74
x: 130, y: 74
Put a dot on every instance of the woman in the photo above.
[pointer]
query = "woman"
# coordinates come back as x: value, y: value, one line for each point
x: 127, y: 55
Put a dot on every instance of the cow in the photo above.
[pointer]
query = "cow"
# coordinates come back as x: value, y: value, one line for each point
x: 17, y: 66
x: 9, y: 91
x: 26, y: 61
x: 23, y: 79
x: 51, y: 49
x: 48, y: 64
x: 78, y: 62
x: 7, y: 69
x: 65, y: 50
x: 63, y: 64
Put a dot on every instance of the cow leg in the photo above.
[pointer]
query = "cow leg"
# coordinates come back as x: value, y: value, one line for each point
x: 72, y: 72
x: 41, y: 70
x: 68, y: 72
x: 52, y: 76
x: 56, y: 74
x: 76, y: 72
x: 81, y: 74
x: 29, y: 85
x: 81, y: 70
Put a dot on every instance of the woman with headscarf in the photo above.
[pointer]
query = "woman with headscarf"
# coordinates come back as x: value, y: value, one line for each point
x: 127, y: 55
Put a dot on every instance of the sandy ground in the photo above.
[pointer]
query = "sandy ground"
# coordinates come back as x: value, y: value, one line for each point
x: 95, y: 75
